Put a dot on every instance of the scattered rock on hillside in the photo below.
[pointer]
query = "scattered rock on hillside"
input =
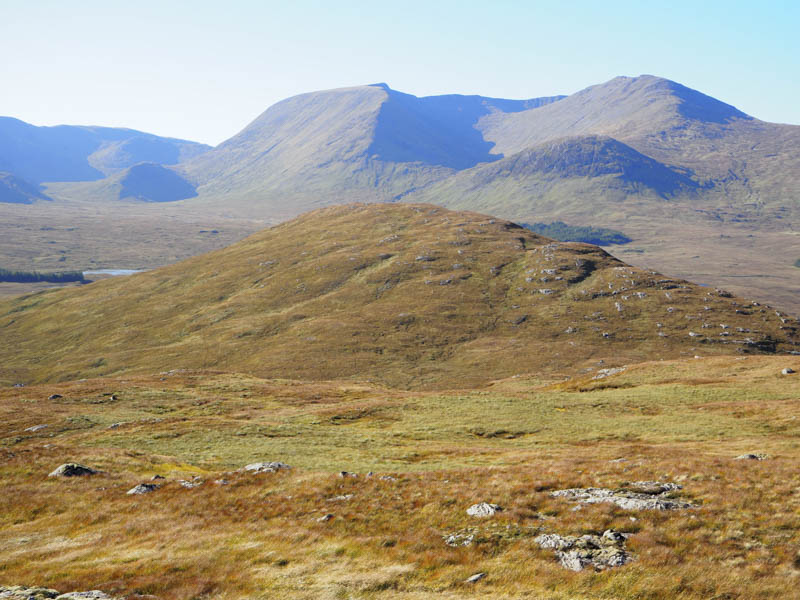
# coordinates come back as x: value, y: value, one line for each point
x: 342, y: 498
x: 143, y: 488
x: 195, y: 482
x: 19, y: 592
x: 54, y: 396
x: 36, y: 428
x: 578, y: 553
x: 483, y: 509
x: 641, y: 495
x: 72, y: 470
x: 475, y: 578
x: 461, y: 538
x: 325, y: 518
x: 752, y: 456
x: 602, y: 373
x: 266, y: 467
x: 346, y: 474
x: 787, y: 371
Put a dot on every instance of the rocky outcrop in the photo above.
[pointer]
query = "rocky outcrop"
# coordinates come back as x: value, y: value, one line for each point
x: 20, y: 592
x: 266, y: 467
x: 640, y: 495
x: 483, y: 509
x: 594, y: 551
x: 72, y: 470
x: 143, y: 488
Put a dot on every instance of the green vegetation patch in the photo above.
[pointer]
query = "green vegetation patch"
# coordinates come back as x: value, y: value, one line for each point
x: 558, y: 230
x: 37, y: 277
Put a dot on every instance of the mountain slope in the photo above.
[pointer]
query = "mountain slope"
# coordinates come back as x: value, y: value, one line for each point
x: 15, y: 190
x: 409, y: 295
x: 368, y: 142
x: 76, y: 153
x: 672, y: 124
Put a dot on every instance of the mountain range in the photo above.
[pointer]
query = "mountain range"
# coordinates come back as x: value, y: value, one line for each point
x: 688, y: 177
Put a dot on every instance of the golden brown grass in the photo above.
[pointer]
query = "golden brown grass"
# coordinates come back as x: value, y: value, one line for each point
x: 510, y: 443
x: 410, y: 296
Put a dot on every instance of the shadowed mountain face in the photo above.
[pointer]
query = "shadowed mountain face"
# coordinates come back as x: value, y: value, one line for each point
x: 591, y: 156
x: 368, y: 142
x: 150, y: 182
x: 14, y: 190
x: 74, y: 153
x: 439, y: 130
x: 408, y: 295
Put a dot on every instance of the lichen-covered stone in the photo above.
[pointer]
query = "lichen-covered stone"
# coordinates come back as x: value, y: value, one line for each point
x: 266, y: 467
x: 483, y: 509
x: 641, y: 495
x: 598, y: 552
x: 72, y: 470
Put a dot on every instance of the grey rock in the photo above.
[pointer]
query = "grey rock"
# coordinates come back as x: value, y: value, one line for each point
x: 578, y: 553
x: 20, y: 592
x: 475, y: 578
x: 752, y: 456
x: 456, y: 540
x: 54, y: 396
x: 483, y: 509
x: 325, y: 518
x: 787, y: 371
x: 91, y: 595
x: 342, y: 498
x: 72, y: 470
x: 36, y: 428
x: 143, y: 488
x: 266, y: 467
x: 346, y: 474
x: 641, y: 495
x: 190, y: 484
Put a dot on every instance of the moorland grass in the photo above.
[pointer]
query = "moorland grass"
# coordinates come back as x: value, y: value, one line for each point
x: 511, y: 443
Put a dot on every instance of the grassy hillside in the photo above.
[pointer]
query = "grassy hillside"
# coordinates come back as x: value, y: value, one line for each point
x: 433, y: 455
x: 408, y: 295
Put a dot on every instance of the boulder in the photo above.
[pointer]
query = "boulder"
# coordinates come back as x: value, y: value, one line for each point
x: 787, y: 371
x: 90, y: 595
x: 475, y: 578
x: 752, y: 456
x: 143, y: 488
x: 266, y: 467
x: 72, y: 470
x: 483, y: 509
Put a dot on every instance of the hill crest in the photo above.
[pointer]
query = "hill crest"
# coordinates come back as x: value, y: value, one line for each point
x: 414, y: 296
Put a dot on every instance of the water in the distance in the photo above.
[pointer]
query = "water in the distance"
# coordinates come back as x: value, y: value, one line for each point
x: 112, y: 272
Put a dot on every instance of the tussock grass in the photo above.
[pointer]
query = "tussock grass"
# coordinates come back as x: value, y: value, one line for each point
x: 259, y: 536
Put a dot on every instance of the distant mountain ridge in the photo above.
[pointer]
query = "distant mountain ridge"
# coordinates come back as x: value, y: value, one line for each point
x: 78, y: 153
x: 672, y: 168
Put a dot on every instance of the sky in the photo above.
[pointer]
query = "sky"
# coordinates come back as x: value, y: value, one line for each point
x: 202, y: 70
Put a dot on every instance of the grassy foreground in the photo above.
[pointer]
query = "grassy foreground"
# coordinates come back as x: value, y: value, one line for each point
x: 258, y: 536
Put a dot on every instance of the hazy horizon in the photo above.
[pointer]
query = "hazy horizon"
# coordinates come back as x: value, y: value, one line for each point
x: 194, y: 71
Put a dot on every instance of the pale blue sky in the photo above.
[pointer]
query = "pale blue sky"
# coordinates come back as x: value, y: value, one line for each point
x: 203, y: 70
